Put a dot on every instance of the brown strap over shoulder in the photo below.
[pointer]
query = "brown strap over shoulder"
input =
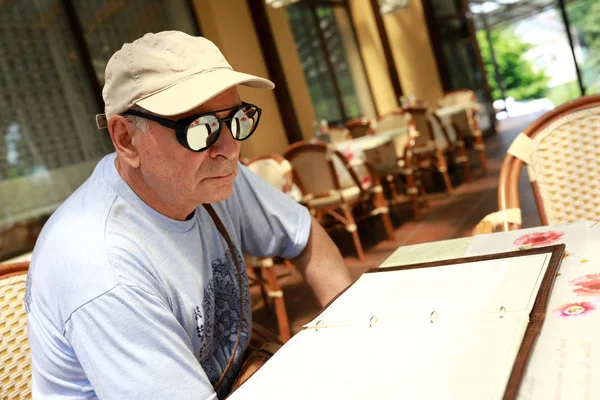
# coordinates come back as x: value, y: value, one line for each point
x: 254, y: 361
x: 234, y: 254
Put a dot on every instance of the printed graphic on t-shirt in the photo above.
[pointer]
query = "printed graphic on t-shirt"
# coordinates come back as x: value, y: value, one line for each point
x: 28, y: 293
x: 217, y: 319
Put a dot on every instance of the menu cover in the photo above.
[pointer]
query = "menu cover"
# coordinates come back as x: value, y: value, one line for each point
x: 455, y: 329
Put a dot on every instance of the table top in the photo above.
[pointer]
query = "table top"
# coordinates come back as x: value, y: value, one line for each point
x: 372, y: 141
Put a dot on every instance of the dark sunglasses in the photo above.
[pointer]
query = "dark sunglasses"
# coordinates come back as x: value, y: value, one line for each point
x: 199, y: 132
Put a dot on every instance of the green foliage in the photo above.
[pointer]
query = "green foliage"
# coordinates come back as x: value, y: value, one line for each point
x: 521, y: 79
x: 562, y: 93
x: 584, y: 16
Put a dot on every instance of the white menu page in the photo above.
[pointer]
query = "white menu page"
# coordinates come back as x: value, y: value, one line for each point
x: 448, y: 332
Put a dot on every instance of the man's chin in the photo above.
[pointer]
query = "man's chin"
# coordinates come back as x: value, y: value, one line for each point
x: 216, y: 194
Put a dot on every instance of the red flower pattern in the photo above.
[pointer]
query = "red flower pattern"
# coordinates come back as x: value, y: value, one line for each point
x: 539, y: 238
x: 574, y: 309
x: 366, y: 182
x: 587, y: 285
x: 348, y: 153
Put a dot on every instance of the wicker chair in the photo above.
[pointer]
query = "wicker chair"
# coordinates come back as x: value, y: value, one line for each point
x: 277, y: 171
x: 396, y: 159
x: 315, y: 173
x: 15, y: 360
x: 359, y: 127
x: 430, y: 150
x: 393, y: 120
x: 561, y: 151
x: 466, y: 124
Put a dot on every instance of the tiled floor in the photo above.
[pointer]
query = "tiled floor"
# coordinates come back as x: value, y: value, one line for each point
x: 449, y: 216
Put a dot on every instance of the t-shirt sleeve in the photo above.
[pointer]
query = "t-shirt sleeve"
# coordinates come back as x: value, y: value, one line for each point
x: 131, y: 346
x: 272, y: 223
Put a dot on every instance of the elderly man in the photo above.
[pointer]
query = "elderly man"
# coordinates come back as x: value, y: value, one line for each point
x: 137, y: 288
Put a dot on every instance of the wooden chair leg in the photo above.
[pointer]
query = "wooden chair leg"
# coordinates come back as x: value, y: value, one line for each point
x: 258, y: 271
x: 463, y: 159
x: 478, y: 136
x: 288, y: 265
x: 480, y: 146
x: 276, y: 293
x: 442, y: 167
x: 392, y: 185
x: 423, y: 194
x: 351, y: 227
x: 387, y: 225
x: 381, y: 206
x: 413, y: 192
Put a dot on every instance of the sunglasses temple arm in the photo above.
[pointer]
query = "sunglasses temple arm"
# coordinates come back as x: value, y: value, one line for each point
x: 163, y: 121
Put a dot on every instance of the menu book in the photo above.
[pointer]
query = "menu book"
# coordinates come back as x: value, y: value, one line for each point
x: 455, y: 329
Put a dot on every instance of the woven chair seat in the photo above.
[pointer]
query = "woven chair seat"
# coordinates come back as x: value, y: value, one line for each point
x: 15, y: 359
x: 349, y: 195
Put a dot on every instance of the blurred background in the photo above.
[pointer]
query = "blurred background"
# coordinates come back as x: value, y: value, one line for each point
x: 333, y: 62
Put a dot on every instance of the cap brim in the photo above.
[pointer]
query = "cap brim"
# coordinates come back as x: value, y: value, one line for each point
x: 190, y: 93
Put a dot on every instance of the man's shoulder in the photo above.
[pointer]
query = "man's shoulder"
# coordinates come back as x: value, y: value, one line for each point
x: 80, y: 219
x: 85, y: 237
x: 69, y: 258
x: 71, y: 262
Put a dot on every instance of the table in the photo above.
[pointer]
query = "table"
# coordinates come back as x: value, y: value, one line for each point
x: 354, y: 150
x: 564, y: 362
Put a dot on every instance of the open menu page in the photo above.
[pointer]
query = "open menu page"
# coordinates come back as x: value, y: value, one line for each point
x: 474, y: 288
x: 446, y: 332
x: 446, y: 360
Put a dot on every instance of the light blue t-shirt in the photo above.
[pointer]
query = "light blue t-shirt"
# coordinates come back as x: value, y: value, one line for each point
x: 126, y: 303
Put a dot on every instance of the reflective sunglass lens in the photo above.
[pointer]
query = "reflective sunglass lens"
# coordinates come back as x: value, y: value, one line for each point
x: 243, y: 122
x: 202, y: 132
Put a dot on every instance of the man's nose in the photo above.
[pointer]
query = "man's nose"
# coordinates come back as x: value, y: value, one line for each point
x: 225, y: 146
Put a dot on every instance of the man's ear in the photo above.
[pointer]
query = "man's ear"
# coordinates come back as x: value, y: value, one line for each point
x: 122, y: 135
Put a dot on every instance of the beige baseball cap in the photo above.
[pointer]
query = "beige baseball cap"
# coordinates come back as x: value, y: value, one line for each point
x: 168, y: 73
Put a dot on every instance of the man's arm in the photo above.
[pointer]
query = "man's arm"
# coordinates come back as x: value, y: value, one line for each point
x: 322, y: 265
